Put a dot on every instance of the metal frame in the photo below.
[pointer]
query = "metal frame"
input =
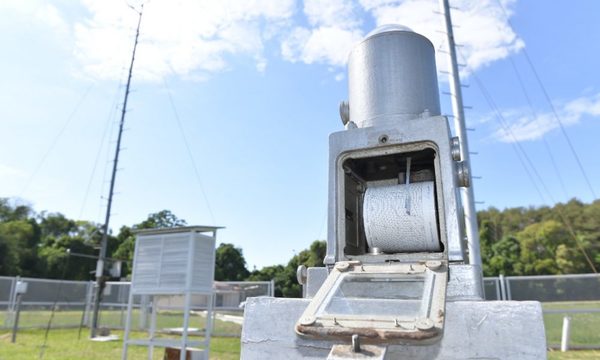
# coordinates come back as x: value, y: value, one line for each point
x: 427, y: 326
x: 402, y: 137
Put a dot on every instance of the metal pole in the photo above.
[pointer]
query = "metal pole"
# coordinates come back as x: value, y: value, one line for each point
x: 468, y: 199
x: 100, y: 265
x: 566, y: 331
x: 16, y: 320
x: 502, y: 287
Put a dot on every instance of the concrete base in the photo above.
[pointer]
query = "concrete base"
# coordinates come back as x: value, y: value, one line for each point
x: 473, y: 330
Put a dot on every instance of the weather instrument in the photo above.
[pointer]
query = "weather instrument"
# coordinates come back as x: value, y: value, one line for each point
x: 398, y: 281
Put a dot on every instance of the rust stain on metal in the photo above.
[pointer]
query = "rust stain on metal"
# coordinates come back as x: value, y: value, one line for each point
x: 369, y: 334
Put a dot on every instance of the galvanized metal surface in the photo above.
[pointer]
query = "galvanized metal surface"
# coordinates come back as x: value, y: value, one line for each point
x: 464, y: 283
x: 474, y: 330
x: 315, y: 278
x: 392, y: 76
x: 404, y: 134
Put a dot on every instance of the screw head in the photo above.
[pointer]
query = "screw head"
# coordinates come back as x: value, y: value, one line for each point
x: 308, y: 320
x: 342, y: 266
x: 424, y: 324
x: 433, y: 264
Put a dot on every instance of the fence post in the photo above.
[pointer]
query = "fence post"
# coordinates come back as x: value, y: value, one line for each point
x: 16, y: 319
x: 502, y: 287
x: 272, y: 288
x: 566, y: 331
x: 508, y: 293
x: 498, y: 294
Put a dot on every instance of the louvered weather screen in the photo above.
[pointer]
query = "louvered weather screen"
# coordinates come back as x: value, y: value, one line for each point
x: 173, y: 262
x: 177, y: 263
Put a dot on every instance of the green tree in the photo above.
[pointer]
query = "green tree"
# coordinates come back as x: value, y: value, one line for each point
x: 277, y: 273
x: 230, y: 264
x: 16, y: 251
x: 539, y: 243
x: 504, y: 258
x: 286, y: 284
x: 161, y: 219
x: 62, y: 239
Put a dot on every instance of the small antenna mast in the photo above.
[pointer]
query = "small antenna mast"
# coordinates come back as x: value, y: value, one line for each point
x: 99, y: 286
x: 468, y: 198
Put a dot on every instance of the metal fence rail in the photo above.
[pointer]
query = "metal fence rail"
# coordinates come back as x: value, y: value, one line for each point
x: 72, y: 302
x: 544, y: 288
x: 574, y: 296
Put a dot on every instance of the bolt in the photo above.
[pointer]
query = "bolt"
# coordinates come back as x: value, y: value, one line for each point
x: 455, y: 148
x: 342, y: 266
x: 433, y: 264
x: 345, y: 112
x: 355, y: 343
x: 462, y: 170
x: 308, y: 320
x: 301, y: 274
x: 424, y: 324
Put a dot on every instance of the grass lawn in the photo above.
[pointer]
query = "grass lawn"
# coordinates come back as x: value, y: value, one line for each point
x: 585, y: 327
x: 63, y: 345
x: 116, y: 319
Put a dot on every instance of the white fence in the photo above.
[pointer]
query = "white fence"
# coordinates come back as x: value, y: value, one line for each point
x: 72, y: 302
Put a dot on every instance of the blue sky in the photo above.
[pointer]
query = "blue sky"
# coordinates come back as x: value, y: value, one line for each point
x: 256, y: 87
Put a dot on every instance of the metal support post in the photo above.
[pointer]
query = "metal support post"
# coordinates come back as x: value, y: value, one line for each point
x: 502, y: 287
x: 127, y: 326
x: 566, y: 332
x: 15, y: 327
x: 468, y: 198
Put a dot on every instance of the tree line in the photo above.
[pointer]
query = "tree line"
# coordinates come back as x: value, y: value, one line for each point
x: 561, y: 239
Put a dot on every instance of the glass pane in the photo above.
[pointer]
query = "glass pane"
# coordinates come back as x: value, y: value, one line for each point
x: 374, y: 294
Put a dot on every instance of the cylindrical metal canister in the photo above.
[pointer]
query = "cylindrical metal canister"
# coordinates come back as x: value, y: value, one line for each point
x: 392, y: 76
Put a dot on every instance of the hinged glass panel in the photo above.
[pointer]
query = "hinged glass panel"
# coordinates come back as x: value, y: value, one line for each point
x: 391, y: 302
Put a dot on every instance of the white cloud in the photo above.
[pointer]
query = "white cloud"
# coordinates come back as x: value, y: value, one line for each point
x: 187, y: 38
x: 523, y: 128
x: 335, y: 28
x: 40, y: 11
x: 480, y: 27
x: 194, y: 38
x: 325, y: 44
